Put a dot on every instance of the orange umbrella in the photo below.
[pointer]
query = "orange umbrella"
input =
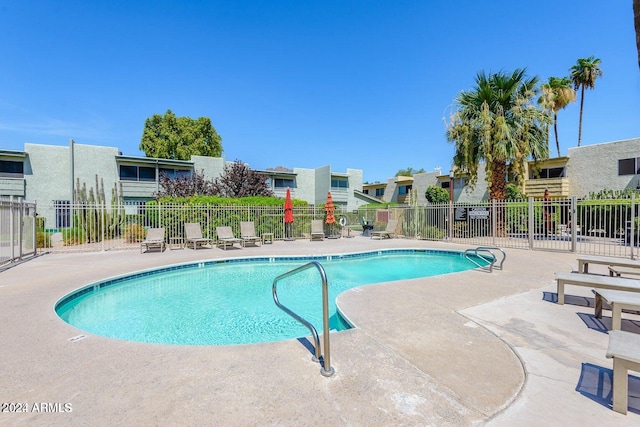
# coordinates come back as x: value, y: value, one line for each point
x: 330, y: 209
x: 288, y: 215
x: 288, y: 208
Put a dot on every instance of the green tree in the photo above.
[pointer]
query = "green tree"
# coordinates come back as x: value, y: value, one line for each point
x: 408, y: 171
x: 498, y: 122
x: 435, y: 194
x: 584, y: 75
x: 557, y: 93
x: 171, y: 137
x: 514, y: 193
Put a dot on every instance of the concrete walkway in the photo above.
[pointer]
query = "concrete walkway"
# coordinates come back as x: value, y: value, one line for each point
x: 460, y: 349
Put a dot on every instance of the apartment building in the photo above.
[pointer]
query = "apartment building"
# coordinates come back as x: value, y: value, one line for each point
x: 49, y: 174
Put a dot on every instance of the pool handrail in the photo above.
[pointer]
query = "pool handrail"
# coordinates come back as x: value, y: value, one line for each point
x: 489, y: 257
x: 325, y: 362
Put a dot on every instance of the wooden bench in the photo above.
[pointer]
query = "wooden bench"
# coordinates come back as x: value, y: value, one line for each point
x: 585, y: 260
x: 615, y: 270
x: 624, y: 349
x: 593, y: 281
x: 619, y: 300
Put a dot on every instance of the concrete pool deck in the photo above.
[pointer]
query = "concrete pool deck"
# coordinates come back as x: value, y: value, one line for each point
x: 470, y: 348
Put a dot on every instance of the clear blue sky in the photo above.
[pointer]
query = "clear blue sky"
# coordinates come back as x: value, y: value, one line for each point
x: 358, y: 84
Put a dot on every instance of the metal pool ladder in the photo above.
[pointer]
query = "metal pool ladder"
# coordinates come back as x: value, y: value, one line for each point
x: 325, y: 362
x: 485, y: 253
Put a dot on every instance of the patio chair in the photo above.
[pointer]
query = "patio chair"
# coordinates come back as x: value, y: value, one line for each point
x: 193, y: 234
x: 387, y: 232
x: 226, y: 237
x: 248, y: 233
x: 317, y: 229
x: 154, y: 239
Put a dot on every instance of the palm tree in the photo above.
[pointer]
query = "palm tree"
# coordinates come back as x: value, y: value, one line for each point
x: 498, y: 122
x: 556, y: 95
x: 584, y: 75
x: 636, y: 20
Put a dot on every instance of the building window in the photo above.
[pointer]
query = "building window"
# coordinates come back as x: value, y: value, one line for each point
x: 176, y: 173
x: 404, y: 189
x: 445, y: 184
x: 11, y: 169
x: 283, y: 182
x: 146, y: 174
x: 629, y: 166
x: 63, y: 213
x: 339, y: 183
x: 548, y: 173
x: 379, y: 192
x: 137, y: 173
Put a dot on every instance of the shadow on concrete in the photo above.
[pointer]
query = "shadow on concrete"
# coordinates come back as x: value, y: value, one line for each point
x: 595, y: 383
x: 569, y: 299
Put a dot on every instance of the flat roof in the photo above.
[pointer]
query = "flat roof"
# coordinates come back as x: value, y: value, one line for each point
x: 154, y: 161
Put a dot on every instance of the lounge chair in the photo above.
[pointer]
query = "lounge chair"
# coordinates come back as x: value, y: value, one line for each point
x: 387, y: 232
x: 248, y: 233
x: 226, y: 237
x: 154, y: 239
x: 193, y: 234
x: 317, y: 229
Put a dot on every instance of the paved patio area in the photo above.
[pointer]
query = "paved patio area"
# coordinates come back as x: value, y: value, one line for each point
x: 470, y: 348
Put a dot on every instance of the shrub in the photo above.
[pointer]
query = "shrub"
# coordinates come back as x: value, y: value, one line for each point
x: 73, y: 236
x: 134, y: 233
x: 434, y: 233
x: 435, y: 194
x: 43, y: 239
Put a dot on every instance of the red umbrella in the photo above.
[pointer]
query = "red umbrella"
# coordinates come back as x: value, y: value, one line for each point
x: 330, y: 209
x: 288, y: 208
x: 288, y: 213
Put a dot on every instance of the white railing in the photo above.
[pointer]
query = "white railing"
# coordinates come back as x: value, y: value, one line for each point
x: 17, y: 230
x: 94, y: 227
x: 596, y: 227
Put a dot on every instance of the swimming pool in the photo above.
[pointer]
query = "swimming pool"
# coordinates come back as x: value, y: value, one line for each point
x: 229, y: 301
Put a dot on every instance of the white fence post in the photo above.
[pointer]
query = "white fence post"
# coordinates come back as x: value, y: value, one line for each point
x: 531, y: 223
x: 573, y: 221
x: 632, y: 229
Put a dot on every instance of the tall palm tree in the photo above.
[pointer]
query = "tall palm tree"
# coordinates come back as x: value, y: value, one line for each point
x: 498, y: 122
x: 636, y: 20
x: 584, y: 75
x: 556, y: 95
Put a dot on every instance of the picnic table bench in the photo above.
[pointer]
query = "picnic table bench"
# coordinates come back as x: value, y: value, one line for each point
x: 618, y: 300
x: 594, y: 281
x: 617, y: 271
x: 624, y: 349
x: 585, y: 260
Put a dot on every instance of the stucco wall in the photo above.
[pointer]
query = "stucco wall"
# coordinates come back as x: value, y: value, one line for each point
x: 355, y: 183
x: 213, y: 167
x: 323, y: 184
x: 305, y: 185
x: 422, y: 181
x: 592, y: 168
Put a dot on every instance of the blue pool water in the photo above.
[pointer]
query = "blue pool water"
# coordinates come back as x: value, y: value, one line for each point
x: 230, y: 301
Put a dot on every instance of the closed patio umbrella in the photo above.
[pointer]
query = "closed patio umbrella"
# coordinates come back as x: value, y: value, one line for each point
x: 330, y: 210
x: 288, y: 215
